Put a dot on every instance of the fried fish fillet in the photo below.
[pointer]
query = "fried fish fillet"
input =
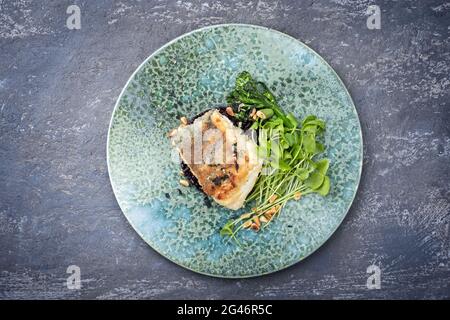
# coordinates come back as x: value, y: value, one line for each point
x: 221, y: 156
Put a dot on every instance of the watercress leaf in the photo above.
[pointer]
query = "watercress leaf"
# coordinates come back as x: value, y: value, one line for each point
x: 312, y: 164
x: 292, y: 120
x: 273, y: 123
x: 310, y: 128
x: 322, y: 166
x: 313, y: 121
x: 309, y: 143
x: 280, y: 127
x: 317, y: 122
x: 267, y: 125
x: 297, y: 137
x: 283, y: 165
x: 307, y: 119
x: 302, y: 173
x: 284, y: 144
x: 287, y: 155
x: 315, y: 180
x: 278, y: 121
x: 290, y: 138
x: 325, y: 187
x: 319, y: 147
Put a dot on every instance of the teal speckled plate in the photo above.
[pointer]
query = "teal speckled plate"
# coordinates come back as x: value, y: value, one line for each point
x: 193, y: 73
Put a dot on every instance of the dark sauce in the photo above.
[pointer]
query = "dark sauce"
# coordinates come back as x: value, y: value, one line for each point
x: 189, y: 176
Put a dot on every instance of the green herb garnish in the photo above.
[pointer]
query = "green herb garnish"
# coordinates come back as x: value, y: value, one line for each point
x: 290, y: 149
x: 252, y: 94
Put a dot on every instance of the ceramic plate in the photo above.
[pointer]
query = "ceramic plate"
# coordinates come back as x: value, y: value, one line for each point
x: 195, y: 72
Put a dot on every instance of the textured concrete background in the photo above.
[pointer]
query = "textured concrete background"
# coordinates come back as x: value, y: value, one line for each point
x: 57, y: 91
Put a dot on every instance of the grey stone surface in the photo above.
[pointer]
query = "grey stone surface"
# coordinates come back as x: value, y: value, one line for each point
x: 57, y: 92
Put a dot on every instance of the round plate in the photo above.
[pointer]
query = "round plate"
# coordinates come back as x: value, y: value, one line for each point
x: 195, y: 72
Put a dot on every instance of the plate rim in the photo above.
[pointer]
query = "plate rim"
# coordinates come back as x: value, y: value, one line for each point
x: 246, y: 25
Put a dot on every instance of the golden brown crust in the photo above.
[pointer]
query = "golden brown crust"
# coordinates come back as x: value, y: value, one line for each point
x: 226, y: 180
